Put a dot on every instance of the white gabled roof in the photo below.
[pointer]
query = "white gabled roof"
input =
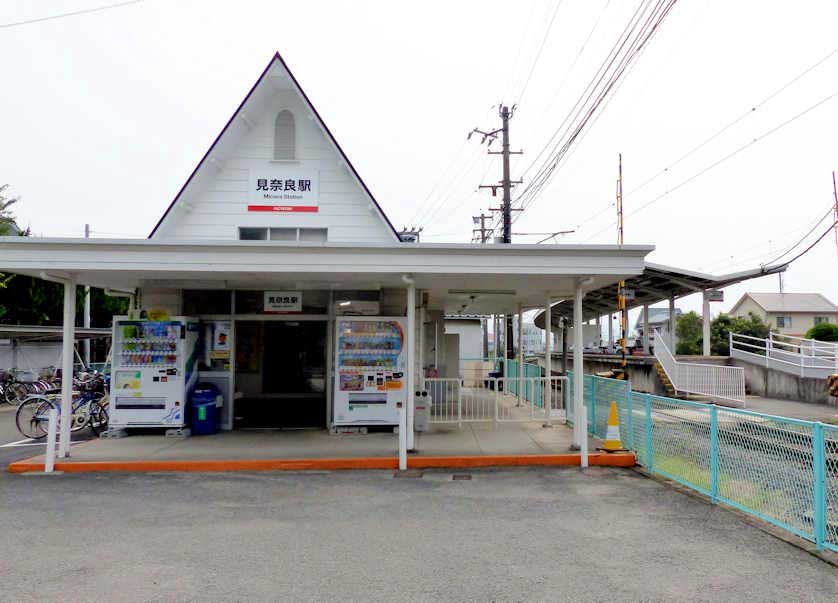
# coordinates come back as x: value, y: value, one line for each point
x: 791, y: 302
x: 222, y: 143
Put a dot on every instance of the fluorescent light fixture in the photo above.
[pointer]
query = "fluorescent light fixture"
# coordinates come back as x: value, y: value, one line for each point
x: 343, y: 304
x: 481, y: 292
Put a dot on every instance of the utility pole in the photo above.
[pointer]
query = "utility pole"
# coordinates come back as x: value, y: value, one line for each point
x: 621, y: 290
x: 505, y: 184
x: 835, y: 215
x: 481, y: 234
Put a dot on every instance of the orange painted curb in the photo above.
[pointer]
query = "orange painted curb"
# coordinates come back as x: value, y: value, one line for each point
x: 329, y: 464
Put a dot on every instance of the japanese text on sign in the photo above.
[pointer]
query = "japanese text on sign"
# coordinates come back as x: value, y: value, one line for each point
x: 283, y: 301
x: 285, y: 190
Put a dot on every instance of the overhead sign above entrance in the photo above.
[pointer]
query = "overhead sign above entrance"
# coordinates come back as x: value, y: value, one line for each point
x: 283, y: 190
x: 283, y: 302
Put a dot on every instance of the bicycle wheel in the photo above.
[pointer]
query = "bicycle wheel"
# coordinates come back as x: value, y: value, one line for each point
x: 32, y: 416
x: 14, y: 393
x: 98, y: 417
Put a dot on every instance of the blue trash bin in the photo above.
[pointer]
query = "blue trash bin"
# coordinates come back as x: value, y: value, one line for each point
x: 204, y: 414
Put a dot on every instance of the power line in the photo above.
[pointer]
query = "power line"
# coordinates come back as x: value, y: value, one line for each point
x: 638, y: 32
x: 70, y: 14
x: 803, y: 238
x: 718, y: 133
x: 624, y: 67
x: 744, y: 115
x: 810, y: 247
x: 540, y: 50
x: 723, y: 159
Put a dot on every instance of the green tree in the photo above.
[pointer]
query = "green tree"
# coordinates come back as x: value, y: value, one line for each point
x: 688, y: 331
x: 724, y: 324
x: 823, y: 332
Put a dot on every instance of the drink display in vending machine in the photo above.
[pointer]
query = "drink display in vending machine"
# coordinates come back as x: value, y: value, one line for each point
x: 153, y: 371
x: 370, y: 365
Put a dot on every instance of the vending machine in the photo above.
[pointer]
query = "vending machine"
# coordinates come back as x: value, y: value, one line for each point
x: 153, y: 371
x: 370, y: 370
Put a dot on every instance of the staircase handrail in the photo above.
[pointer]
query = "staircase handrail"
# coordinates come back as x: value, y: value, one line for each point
x: 727, y: 382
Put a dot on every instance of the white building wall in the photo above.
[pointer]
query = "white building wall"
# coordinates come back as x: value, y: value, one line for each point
x: 471, y: 337
x: 220, y: 208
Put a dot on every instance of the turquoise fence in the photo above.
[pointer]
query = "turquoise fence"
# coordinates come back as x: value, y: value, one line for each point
x: 532, y: 391
x: 782, y: 470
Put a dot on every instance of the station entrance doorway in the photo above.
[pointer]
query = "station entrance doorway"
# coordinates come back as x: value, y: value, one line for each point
x: 280, y: 374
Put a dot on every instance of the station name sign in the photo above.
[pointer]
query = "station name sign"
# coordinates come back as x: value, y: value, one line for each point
x: 283, y: 302
x: 283, y: 190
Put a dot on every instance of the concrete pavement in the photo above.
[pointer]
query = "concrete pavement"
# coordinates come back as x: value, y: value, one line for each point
x: 527, y: 534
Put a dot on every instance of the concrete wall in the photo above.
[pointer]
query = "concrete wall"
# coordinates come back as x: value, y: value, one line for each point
x: 641, y: 371
x: 761, y: 381
x: 30, y: 356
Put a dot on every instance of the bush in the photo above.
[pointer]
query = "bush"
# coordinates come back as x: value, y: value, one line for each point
x: 823, y: 332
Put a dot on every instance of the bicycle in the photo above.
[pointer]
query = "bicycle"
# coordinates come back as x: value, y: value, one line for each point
x: 89, y: 409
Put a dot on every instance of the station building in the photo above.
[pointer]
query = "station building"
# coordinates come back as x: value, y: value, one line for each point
x: 274, y: 238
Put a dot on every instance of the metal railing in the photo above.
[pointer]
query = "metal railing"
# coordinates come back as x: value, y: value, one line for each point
x: 496, y: 399
x: 787, y: 353
x: 722, y: 382
x: 781, y: 470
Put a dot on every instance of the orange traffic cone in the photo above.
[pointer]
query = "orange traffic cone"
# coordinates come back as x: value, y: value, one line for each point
x: 612, y: 434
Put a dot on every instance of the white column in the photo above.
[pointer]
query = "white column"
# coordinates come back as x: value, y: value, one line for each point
x: 580, y: 416
x: 86, y: 344
x: 411, y: 364
x: 646, y: 328
x: 67, y: 357
x: 520, y: 388
x: 422, y: 347
x: 436, y: 345
x: 610, y: 331
x: 705, y: 324
x: 548, y: 359
x: 598, y: 332
x: 672, y: 324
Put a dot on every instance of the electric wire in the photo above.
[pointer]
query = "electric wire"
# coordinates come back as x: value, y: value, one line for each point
x: 69, y: 14
x: 637, y: 37
x: 744, y: 115
x: 540, y: 50
x: 809, y: 248
x: 802, y: 239
x: 722, y: 160
x: 718, y: 133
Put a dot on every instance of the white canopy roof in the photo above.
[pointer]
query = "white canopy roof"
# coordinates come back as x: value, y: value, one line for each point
x: 459, y: 278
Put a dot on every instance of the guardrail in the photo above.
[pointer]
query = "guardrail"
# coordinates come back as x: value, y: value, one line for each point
x: 496, y: 399
x: 794, y: 355
x: 781, y: 470
x: 721, y: 382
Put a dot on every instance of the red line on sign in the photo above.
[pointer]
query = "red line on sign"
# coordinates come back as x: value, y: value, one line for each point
x: 282, y: 208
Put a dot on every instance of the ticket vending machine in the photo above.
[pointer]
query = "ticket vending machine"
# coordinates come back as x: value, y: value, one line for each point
x: 370, y: 370
x: 153, y: 371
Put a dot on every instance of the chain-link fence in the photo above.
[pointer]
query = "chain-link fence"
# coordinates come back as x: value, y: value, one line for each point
x: 782, y: 470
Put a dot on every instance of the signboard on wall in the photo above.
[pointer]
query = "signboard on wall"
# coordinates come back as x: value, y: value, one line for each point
x: 283, y: 190
x: 283, y: 302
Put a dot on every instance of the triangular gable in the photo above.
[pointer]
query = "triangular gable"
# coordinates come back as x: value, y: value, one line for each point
x: 216, y: 148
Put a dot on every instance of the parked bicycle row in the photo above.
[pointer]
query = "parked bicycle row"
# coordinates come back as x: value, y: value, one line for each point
x: 89, y: 407
x: 16, y: 385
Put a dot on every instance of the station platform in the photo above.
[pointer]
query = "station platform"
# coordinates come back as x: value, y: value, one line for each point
x: 444, y: 446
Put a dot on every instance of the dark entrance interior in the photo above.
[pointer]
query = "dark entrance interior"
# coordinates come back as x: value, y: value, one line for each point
x: 280, y: 374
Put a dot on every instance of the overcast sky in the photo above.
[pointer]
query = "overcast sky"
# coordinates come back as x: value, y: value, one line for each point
x: 104, y: 115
